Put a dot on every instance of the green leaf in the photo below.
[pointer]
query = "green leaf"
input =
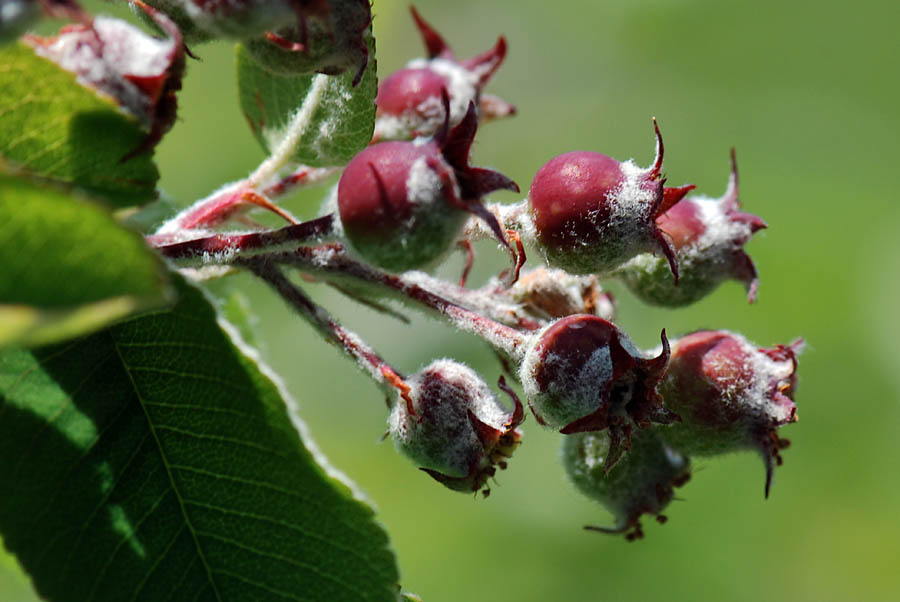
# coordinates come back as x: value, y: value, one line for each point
x: 156, y: 461
x: 341, y: 125
x: 68, y: 267
x: 54, y: 127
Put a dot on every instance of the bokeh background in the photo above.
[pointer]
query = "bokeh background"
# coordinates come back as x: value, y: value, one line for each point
x: 807, y: 93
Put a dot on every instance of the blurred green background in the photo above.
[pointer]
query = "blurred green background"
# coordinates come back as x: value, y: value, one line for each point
x: 807, y: 93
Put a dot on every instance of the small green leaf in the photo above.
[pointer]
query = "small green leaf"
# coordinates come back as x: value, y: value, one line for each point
x: 68, y: 268
x: 341, y: 125
x: 156, y: 461
x: 54, y: 127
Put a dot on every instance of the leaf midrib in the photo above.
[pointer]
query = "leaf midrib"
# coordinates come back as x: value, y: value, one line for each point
x: 165, y: 461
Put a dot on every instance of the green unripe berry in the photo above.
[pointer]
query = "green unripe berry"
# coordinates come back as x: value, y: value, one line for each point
x: 451, y: 425
x: 641, y: 482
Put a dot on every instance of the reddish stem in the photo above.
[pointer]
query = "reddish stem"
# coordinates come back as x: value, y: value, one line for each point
x: 332, y: 258
x: 240, y: 244
x: 380, y: 371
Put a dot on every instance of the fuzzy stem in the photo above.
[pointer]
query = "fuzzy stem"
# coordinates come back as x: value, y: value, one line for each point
x: 219, y: 249
x: 491, y: 300
x: 337, y: 266
x: 332, y: 260
x: 227, y: 201
x: 225, y: 249
x: 366, y: 358
x: 294, y: 132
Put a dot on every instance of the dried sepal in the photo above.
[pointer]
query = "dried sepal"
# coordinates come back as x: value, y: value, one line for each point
x: 548, y: 294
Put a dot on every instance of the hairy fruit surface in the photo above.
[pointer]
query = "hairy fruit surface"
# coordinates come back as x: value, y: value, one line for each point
x: 583, y: 374
x: 403, y: 204
x: 642, y: 482
x: 177, y: 11
x: 453, y: 427
x: 707, y: 236
x: 730, y: 395
x: 240, y: 19
x: 326, y: 36
x: 142, y: 73
x: 591, y: 213
x: 409, y: 100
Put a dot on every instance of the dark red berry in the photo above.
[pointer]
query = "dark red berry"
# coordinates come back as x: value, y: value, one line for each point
x: 583, y: 374
x: 409, y: 100
x: 402, y: 205
x: 707, y: 236
x: 591, y: 213
x: 731, y: 395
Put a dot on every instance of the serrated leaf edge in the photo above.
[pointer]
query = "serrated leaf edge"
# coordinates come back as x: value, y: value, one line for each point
x: 292, y: 406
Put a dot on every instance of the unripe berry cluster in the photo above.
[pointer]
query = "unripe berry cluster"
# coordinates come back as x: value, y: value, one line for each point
x: 630, y: 420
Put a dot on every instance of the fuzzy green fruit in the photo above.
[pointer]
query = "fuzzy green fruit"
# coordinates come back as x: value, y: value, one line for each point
x: 641, y: 482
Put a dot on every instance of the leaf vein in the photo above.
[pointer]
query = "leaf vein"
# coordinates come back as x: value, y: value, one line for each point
x: 177, y: 586
x: 281, y: 523
x: 69, y: 401
x: 102, y: 503
x: 101, y: 575
x: 188, y: 376
x: 63, y: 483
x: 165, y: 461
x: 262, y: 586
x: 221, y: 439
x: 242, y: 481
x: 281, y: 558
x: 200, y: 408
x: 157, y: 562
